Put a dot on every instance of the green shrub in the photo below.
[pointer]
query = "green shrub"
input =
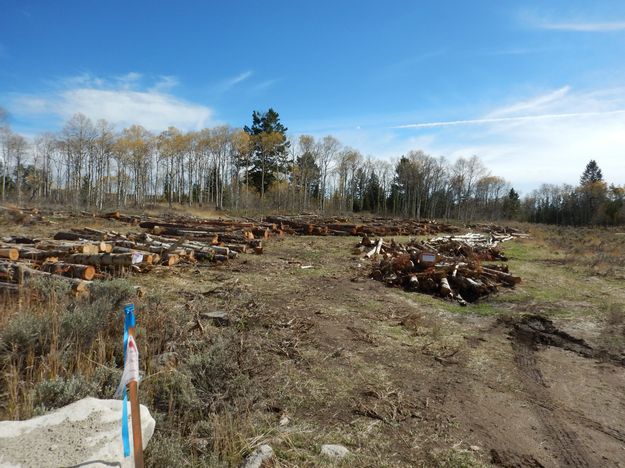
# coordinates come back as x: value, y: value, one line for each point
x: 166, y: 451
x: 171, y: 393
x: 84, y: 319
x: 50, y: 290
x: 106, y: 380
x: 24, y: 331
x: 114, y: 293
x: 55, y: 393
x: 216, y: 374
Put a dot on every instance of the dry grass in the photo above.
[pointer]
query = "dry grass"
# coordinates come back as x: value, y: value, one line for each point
x: 56, y: 349
x: 596, y: 251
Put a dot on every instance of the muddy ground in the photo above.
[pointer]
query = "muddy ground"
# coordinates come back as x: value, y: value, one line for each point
x: 531, y: 377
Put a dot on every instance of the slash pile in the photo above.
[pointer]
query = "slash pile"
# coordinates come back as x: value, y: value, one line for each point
x: 450, y: 267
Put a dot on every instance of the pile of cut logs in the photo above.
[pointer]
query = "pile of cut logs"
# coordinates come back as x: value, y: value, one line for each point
x: 497, y: 230
x: 328, y: 226
x: 84, y: 254
x: 450, y: 267
x: 226, y: 230
x: 307, y: 224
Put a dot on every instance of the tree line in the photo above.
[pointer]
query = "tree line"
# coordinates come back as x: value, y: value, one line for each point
x: 592, y: 202
x: 90, y: 164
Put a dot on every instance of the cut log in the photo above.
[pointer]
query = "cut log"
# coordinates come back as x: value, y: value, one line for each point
x: 170, y: 259
x: 148, y: 257
x: 11, y: 254
x: 445, y: 288
x: 505, y: 277
x: 375, y: 250
x: 221, y: 250
x: 96, y: 232
x: 20, y: 240
x: 21, y: 273
x: 70, y: 247
x: 70, y: 236
x: 105, y: 247
x: 106, y: 259
x: 85, y: 272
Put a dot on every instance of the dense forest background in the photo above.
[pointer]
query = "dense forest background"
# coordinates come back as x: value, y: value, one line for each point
x: 259, y: 167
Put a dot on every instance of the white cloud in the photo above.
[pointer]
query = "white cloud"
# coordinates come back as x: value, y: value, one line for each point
x: 130, y: 77
x: 31, y: 105
x: 578, y: 23
x: 165, y: 83
x: 155, y: 111
x: 607, y: 26
x: 118, y: 101
x: 532, y: 104
x: 241, y: 77
x: 553, y: 151
x: 264, y: 85
x: 229, y: 83
x: 545, y: 138
x: 551, y: 147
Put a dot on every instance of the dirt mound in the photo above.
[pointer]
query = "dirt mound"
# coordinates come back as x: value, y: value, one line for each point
x: 508, y: 459
x: 540, y: 330
x: 537, y: 330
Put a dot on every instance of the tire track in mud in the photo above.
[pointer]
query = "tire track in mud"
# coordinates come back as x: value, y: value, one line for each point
x: 526, y: 334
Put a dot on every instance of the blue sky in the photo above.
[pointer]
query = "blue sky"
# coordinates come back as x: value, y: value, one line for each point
x: 534, y: 88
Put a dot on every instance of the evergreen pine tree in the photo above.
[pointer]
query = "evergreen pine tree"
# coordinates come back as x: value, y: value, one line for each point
x: 269, y: 146
x: 591, y: 174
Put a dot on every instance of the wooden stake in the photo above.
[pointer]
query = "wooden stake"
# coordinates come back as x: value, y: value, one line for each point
x: 135, y: 416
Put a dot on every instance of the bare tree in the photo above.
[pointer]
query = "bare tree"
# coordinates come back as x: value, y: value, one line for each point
x: 328, y: 149
x: 18, y: 147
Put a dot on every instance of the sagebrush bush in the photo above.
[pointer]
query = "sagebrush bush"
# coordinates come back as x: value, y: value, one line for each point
x: 25, y: 330
x: 106, y: 379
x: 166, y: 451
x: 171, y: 392
x: 55, y: 393
x: 50, y: 290
x: 81, y: 323
x: 216, y: 374
x: 113, y: 293
x: 53, y: 345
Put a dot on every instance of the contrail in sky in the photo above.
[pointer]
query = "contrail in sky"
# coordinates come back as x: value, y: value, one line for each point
x: 524, y: 118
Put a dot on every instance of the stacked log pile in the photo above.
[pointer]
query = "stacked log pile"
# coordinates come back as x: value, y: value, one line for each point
x: 243, y: 231
x: 335, y: 226
x: 83, y: 254
x: 23, y: 216
x: 497, y: 230
x: 450, y: 267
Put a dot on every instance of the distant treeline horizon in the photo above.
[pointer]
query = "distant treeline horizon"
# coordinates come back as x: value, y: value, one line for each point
x: 258, y: 167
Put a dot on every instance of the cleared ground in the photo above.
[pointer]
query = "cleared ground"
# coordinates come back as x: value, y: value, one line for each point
x: 326, y: 355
